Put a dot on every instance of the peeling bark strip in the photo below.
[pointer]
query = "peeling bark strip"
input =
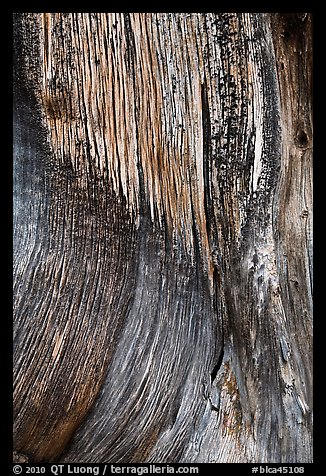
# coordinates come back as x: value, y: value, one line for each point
x: 162, y: 237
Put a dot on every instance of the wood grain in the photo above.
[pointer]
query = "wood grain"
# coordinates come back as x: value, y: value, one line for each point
x: 163, y: 237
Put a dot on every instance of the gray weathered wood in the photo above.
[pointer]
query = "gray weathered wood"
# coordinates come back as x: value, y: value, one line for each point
x: 163, y: 237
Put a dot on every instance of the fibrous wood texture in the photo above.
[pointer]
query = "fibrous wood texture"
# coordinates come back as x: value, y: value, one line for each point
x: 163, y: 237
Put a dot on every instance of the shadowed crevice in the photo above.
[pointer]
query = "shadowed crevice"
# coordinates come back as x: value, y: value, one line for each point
x: 217, y: 366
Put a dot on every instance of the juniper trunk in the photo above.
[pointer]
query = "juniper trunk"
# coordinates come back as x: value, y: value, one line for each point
x: 163, y: 237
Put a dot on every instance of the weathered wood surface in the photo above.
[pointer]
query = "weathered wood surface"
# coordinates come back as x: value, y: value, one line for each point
x: 163, y: 237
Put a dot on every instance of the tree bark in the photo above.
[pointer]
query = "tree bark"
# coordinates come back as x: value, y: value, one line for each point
x: 163, y: 237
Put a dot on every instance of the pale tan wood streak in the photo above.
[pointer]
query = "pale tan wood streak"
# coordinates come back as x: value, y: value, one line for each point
x: 294, y: 208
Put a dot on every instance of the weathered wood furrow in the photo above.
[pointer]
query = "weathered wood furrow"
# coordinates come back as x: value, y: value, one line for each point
x: 162, y: 237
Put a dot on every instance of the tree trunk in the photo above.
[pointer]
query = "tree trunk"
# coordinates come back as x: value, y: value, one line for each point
x: 163, y: 237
